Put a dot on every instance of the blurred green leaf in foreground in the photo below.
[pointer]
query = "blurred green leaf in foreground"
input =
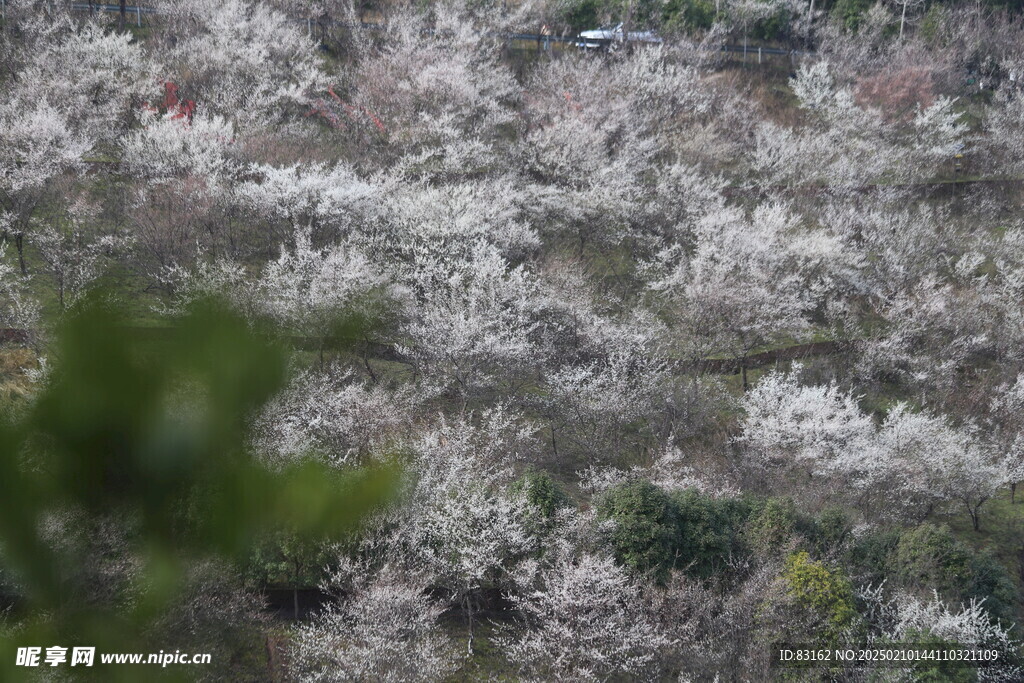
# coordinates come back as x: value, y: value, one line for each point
x: 152, y: 433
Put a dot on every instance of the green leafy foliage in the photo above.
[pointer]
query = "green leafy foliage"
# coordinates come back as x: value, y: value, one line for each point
x: 821, y: 590
x: 646, y: 526
x: 542, y: 492
x: 688, y: 14
x: 868, y: 556
x: 155, y: 432
x: 290, y: 560
x: 937, y: 671
x: 832, y: 529
x: 772, y: 522
x: 929, y: 556
x: 656, y: 531
x: 850, y: 13
x: 708, y: 531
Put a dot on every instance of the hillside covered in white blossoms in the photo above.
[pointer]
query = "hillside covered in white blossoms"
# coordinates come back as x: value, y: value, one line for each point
x: 622, y: 364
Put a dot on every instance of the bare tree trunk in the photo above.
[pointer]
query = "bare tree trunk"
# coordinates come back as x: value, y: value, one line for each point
x: 810, y: 23
x: 469, y: 614
x: 369, y: 368
x: 273, y: 663
x: 19, y: 243
x: 297, y: 563
x: 975, y: 512
x: 120, y: 17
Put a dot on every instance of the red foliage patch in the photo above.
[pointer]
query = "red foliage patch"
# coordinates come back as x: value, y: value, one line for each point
x: 897, y: 93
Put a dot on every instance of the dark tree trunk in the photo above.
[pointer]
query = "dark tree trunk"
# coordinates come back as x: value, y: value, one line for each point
x: 469, y: 615
x: 369, y: 368
x: 120, y: 17
x: 295, y: 587
x: 975, y: 516
x: 273, y: 661
x: 19, y: 243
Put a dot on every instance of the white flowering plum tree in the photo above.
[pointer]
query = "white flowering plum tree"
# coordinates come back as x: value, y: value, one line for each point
x: 332, y: 412
x: 38, y: 144
x: 95, y: 75
x: 244, y: 61
x: 913, y: 461
x: 72, y: 259
x: 328, y: 201
x: 847, y: 142
x: 18, y: 310
x: 1005, y: 421
x: 386, y: 628
x: 586, y: 621
x: 750, y: 282
x: 306, y: 289
x: 904, y: 616
x: 472, y: 324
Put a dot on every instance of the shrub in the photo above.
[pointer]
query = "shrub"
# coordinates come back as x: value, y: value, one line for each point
x: 826, y: 593
x: 831, y: 529
x: 646, y: 526
x: 707, y: 533
x: 688, y: 14
x: 542, y: 492
x: 868, y: 556
x: 580, y: 15
x: 773, y: 521
x: 850, y: 12
x: 930, y: 557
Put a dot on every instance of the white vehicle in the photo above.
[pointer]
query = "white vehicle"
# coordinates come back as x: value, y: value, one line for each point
x: 608, y: 37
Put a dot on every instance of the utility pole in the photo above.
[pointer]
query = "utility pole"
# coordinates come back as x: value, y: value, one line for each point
x: 904, y: 6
